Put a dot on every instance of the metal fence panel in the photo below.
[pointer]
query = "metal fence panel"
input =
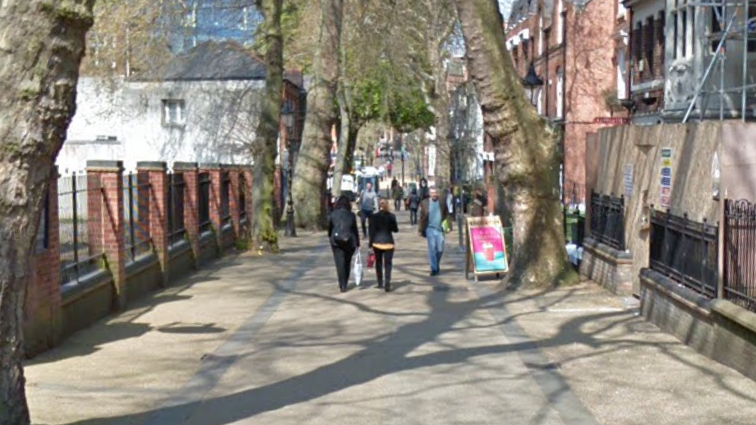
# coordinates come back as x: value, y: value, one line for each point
x: 685, y: 251
x: 607, y: 220
x: 225, y: 198
x: 176, y: 190
x: 80, y: 232
x: 204, y: 203
x: 242, y: 197
x: 136, y: 226
x: 740, y: 253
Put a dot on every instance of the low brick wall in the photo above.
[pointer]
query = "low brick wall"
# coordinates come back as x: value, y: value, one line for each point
x: 608, y: 267
x: 55, y: 309
x: 716, y: 328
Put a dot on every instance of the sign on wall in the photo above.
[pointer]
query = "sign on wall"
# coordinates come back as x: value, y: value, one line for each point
x: 628, y: 180
x: 486, y: 246
x: 666, y: 178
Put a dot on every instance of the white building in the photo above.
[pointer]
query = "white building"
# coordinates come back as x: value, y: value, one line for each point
x: 204, y: 107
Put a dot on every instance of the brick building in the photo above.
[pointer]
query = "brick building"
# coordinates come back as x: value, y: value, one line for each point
x: 570, y: 46
x: 675, y: 51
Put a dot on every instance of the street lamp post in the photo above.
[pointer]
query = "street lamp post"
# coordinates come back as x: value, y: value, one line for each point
x: 532, y: 82
x: 287, y: 114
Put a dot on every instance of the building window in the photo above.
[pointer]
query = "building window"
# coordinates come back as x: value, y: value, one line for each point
x: 621, y: 79
x: 673, y: 20
x: 752, y: 27
x: 648, y: 46
x: 174, y: 112
x: 716, y: 25
x: 560, y: 22
x: 638, y: 46
x: 540, y: 36
x: 539, y: 105
x: 560, y: 93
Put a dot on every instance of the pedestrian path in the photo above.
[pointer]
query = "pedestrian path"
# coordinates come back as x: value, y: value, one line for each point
x: 272, y: 341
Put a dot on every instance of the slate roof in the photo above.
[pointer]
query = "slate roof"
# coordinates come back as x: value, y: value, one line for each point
x: 227, y: 60
x: 521, y: 9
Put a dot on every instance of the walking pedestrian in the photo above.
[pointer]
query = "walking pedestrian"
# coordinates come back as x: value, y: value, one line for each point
x: 432, y: 216
x: 344, y: 237
x: 382, y: 226
x: 368, y: 204
x: 477, y: 207
x: 414, y: 204
x: 397, y: 195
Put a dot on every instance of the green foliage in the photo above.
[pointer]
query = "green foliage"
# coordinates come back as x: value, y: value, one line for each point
x: 384, y: 93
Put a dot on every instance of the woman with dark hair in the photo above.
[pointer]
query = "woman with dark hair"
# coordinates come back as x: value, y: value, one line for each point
x: 382, y: 227
x: 344, y: 237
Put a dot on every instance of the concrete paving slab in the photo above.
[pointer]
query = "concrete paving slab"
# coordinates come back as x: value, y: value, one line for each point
x: 271, y: 341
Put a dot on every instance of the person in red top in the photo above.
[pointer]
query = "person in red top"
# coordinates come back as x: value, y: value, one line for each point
x: 389, y: 167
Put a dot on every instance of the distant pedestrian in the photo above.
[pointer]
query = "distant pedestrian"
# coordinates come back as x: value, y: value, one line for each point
x: 413, y: 203
x: 432, y: 216
x: 344, y: 237
x: 397, y: 194
x: 477, y: 207
x: 382, y: 227
x: 368, y: 204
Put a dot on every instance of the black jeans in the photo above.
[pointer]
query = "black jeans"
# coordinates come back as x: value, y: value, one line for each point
x: 383, y: 259
x: 413, y: 216
x: 343, y: 259
x: 397, y: 204
x: 365, y: 216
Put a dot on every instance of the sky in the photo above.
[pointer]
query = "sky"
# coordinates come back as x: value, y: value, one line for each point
x: 504, y: 7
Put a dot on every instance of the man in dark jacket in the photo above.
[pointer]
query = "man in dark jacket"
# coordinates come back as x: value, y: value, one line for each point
x: 433, y: 213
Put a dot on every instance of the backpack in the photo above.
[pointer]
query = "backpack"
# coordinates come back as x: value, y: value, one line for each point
x: 414, y: 202
x: 342, y: 234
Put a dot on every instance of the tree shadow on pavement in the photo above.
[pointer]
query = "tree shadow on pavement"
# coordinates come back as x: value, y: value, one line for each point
x: 397, y: 352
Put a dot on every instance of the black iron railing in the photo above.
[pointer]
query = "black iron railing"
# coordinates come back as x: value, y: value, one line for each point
x: 136, y: 226
x: 242, y: 197
x: 740, y: 253
x: 685, y: 251
x: 203, y: 207
x: 42, y: 240
x: 80, y: 216
x: 225, y: 198
x: 175, y: 208
x: 607, y: 220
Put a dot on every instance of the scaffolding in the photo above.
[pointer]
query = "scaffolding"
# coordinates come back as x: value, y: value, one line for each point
x: 737, y: 23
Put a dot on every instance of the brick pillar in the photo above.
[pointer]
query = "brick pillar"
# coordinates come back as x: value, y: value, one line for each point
x: 153, y: 211
x: 42, y: 309
x: 191, y: 199
x: 109, y: 175
x: 214, y: 170
x: 233, y: 199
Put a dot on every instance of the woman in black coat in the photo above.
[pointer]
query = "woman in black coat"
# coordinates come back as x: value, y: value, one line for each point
x: 382, y: 227
x: 344, y: 237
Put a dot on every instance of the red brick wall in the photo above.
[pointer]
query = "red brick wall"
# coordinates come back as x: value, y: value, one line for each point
x: 110, y: 180
x: 43, y: 296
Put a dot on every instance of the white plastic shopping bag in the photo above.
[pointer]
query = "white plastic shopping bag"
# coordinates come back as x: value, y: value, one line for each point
x: 357, y: 268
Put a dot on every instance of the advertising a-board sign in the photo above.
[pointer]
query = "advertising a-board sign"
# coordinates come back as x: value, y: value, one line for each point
x: 486, y: 247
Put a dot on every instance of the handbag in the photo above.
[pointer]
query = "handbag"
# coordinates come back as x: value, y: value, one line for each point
x: 371, y: 260
x: 357, y: 268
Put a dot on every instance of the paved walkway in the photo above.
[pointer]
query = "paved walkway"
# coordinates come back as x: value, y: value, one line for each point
x: 271, y: 341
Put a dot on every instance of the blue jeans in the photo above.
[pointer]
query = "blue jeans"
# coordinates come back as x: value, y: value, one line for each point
x: 435, y: 248
x: 365, y: 216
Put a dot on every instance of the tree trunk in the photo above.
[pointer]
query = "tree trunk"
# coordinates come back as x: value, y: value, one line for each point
x: 265, y: 148
x: 527, y: 160
x: 41, y: 48
x: 312, y: 167
x: 343, y: 144
x: 440, y: 102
